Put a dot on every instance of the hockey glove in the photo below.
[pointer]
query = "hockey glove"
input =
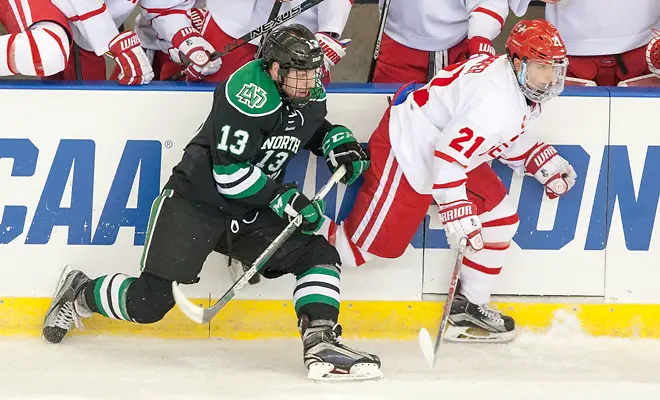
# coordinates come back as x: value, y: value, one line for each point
x: 333, y: 49
x: 480, y: 45
x: 134, y: 65
x: 290, y: 202
x: 551, y: 170
x: 191, y: 49
x: 341, y: 148
x: 461, y: 221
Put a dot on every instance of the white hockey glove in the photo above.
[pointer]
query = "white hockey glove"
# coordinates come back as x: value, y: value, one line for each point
x: 191, y: 49
x: 551, y: 170
x: 461, y: 221
x: 334, y: 50
x: 134, y: 65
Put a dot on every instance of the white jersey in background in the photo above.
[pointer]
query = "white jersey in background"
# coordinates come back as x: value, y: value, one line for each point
x: 238, y: 17
x: 468, y: 114
x: 433, y: 25
x: 600, y: 27
x: 95, y: 22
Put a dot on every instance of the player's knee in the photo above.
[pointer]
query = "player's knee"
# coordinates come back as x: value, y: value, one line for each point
x: 322, y: 252
x: 501, y: 230
x: 149, y: 298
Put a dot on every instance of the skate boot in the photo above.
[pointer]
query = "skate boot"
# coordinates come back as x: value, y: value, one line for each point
x: 327, y: 359
x: 237, y: 269
x: 67, y: 307
x: 469, y: 322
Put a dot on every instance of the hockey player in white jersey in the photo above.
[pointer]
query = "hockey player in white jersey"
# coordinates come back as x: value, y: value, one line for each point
x: 95, y: 26
x: 420, y: 32
x: 229, y: 20
x: 606, y: 40
x: 433, y: 145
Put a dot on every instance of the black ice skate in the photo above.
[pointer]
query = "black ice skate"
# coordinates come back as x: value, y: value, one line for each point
x: 469, y: 322
x: 327, y: 359
x: 65, y: 309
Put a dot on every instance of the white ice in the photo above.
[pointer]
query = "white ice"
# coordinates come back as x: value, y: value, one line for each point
x: 561, y: 364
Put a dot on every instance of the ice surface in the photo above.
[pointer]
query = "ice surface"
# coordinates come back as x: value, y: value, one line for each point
x: 561, y: 364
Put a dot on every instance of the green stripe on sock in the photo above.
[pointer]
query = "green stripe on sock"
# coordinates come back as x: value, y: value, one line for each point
x: 322, y: 271
x: 315, y: 298
x: 97, y: 295
x: 122, y: 297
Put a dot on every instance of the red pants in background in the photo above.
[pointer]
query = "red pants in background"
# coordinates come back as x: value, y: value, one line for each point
x: 609, y: 70
x: 92, y: 67
x: 397, y: 63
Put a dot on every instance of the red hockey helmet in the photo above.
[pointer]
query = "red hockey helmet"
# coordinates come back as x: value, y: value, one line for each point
x: 653, y: 53
x: 543, y: 61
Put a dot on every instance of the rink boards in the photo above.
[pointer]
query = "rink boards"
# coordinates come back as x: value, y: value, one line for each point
x: 80, y: 165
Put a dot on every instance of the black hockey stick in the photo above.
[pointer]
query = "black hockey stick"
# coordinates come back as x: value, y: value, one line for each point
x: 203, y: 315
x: 425, y: 342
x: 379, y: 38
x: 274, y: 12
x: 431, y: 70
x: 255, y: 33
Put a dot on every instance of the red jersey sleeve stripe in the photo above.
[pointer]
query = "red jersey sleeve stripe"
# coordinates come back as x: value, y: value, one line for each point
x: 36, y: 56
x: 492, y: 13
x: 449, y: 184
x: 89, y: 15
x: 59, y: 42
x: 447, y: 158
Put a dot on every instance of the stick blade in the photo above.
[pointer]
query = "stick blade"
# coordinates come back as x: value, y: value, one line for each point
x: 192, y: 311
x: 427, y: 346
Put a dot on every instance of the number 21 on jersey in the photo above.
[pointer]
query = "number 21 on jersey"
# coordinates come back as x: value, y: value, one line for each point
x: 467, y: 143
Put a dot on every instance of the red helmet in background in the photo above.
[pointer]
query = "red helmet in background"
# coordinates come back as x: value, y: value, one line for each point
x: 653, y: 53
x: 541, y: 51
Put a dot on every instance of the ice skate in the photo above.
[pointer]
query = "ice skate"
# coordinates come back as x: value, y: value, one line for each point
x: 470, y: 322
x: 329, y: 360
x: 66, y: 309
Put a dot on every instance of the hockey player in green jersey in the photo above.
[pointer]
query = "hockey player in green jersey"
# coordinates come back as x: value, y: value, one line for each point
x: 227, y: 194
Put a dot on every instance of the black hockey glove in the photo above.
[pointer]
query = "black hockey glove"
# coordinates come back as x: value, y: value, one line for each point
x: 288, y: 201
x: 341, y: 148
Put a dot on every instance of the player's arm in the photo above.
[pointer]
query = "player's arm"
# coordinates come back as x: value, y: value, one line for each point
x: 332, y: 18
x: 542, y: 161
x: 339, y: 147
x: 172, y: 21
x: 95, y: 23
x: 464, y: 138
x: 42, y: 50
x: 486, y: 20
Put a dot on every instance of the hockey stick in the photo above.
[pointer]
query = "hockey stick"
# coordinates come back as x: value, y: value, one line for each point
x: 425, y: 342
x: 255, y: 33
x: 430, y: 72
x: 203, y: 315
x: 379, y: 38
x: 274, y: 12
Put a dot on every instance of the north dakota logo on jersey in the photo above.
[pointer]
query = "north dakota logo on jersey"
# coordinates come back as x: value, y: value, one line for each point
x: 252, y: 96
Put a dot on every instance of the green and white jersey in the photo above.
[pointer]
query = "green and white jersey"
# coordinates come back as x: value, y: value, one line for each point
x: 238, y: 157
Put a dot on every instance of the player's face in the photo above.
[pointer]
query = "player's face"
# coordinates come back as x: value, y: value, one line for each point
x: 298, y: 83
x: 542, y: 75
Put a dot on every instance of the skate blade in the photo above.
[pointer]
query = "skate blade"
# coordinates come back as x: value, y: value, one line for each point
x: 60, y: 282
x: 463, y: 334
x: 326, y: 372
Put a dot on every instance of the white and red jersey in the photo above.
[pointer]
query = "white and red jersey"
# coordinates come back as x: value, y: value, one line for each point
x: 600, y: 27
x: 95, y: 22
x: 433, y: 25
x: 470, y: 113
x: 238, y: 17
x: 37, y: 41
